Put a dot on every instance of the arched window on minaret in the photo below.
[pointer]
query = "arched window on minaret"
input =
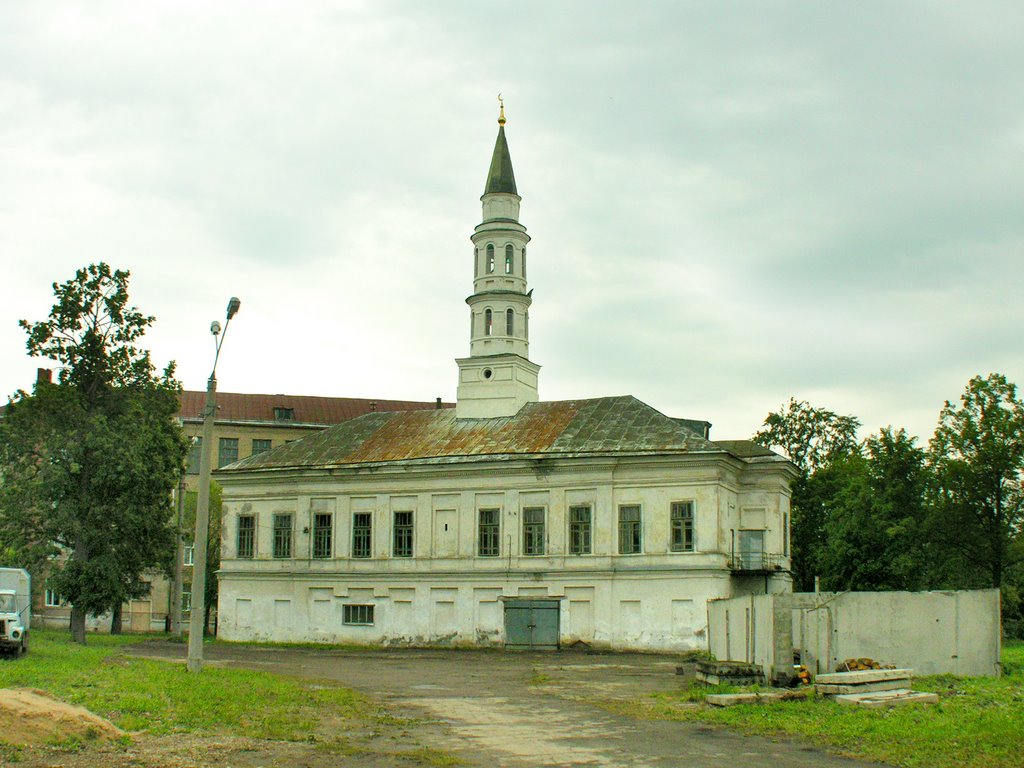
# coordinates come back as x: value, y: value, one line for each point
x: 476, y: 262
x: 524, y: 263
x: 509, y: 251
x: 510, y: 321
x: 490, y: 257
x: 488, y: 322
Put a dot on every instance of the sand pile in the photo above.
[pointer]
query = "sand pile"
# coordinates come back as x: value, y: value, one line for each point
x: 32, y: 717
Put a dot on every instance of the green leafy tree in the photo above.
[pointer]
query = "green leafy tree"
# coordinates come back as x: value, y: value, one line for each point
x: 813, y: 439
x: 977, y: 455
x: 875, y: 516
x: 89, y: 462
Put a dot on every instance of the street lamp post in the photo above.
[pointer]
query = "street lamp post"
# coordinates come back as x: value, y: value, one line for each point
x: 197, y: 618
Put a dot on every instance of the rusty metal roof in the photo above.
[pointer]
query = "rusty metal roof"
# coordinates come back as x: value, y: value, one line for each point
x: 609, y: 425
x: 234, y: 406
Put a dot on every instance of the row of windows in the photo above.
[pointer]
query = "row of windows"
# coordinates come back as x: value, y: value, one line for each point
x: 489, y: 263
x: 227, y: 451
x: 630, y: 530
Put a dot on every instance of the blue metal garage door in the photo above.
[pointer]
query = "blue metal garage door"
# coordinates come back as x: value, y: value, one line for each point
x: 531, y: 624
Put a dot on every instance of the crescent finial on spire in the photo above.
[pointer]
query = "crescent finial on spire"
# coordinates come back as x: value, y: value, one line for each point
x: 501, y: 115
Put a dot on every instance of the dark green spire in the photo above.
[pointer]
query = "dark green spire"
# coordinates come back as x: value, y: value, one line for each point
x: 500, y: 177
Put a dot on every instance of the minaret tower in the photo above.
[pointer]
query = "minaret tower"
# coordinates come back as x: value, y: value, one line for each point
x: 498, y: 379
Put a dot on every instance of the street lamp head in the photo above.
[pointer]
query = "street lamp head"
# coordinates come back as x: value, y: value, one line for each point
x: 215, y: 328
x: 233, y: 306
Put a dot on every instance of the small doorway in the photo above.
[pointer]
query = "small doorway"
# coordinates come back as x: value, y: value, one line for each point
x: 751, y: 550
x: 532, y: 625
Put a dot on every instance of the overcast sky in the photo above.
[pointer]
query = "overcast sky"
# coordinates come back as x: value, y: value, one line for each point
x: 730, y: 203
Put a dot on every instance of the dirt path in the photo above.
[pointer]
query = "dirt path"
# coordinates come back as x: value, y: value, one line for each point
x: 523, y: 709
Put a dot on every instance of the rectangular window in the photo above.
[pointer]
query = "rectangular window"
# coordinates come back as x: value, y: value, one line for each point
x: 630, y: 541
x: 322, y: 535
x: 186, y: 597
x: 362, y: 527
x: 579, y: 530
x: 785, y: 534
x: 228, y: 451
x: 246, y: 535
x: 358, y: 614
x: 533, y: 531
x: 187, y: 554
x: 195, y: 455
x: 283, y: 534
x: 682, y: 526
x: 403, y: 535
x: 54, y: 599
x: 489, y: 529
x: 260, y: 446
x: 284, y: 414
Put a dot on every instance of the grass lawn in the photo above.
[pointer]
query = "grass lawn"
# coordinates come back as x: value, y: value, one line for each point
x: 978, y: 723
x: 158, y: 697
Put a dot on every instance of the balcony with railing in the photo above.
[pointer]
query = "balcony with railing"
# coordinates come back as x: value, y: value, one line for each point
x: 750, y: 563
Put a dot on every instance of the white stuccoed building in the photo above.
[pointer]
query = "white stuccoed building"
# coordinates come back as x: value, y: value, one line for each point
x: 504, y: 521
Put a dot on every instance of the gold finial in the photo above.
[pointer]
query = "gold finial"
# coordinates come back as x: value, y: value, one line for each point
x: 501, y: 116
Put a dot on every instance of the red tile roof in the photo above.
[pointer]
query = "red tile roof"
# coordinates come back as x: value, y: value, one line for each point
x: 233, y: 406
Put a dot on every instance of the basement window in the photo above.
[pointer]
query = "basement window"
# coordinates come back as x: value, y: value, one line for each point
x: 360, y: 615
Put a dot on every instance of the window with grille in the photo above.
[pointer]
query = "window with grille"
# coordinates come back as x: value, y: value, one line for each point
x: 227, y: 453
x: 489, y: 542
x: 283, y: 534
x: 195, y: 455
x: 630, y: 541
x: 322, y: 535
x: 357, y: 614
x: 362, y: 527
x: 260, y: 446
x: 533, y: 531
x: 579, y: 530
x: 403, y: 535
x: 682, y: 526
x: 246, y: 535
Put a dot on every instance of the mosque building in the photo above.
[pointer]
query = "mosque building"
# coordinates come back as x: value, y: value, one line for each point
x: 506, y: 520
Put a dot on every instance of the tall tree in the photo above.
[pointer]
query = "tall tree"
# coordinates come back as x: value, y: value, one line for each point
x: 875, y: 516
x: 89, y: 462
x: 977, y: 455
x: 813, y: 439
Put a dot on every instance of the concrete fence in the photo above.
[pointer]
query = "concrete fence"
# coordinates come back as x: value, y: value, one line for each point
x: 929, y: 632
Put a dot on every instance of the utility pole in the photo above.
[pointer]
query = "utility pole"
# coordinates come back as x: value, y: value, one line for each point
x: 176, y: 586
x: 197, y: 618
